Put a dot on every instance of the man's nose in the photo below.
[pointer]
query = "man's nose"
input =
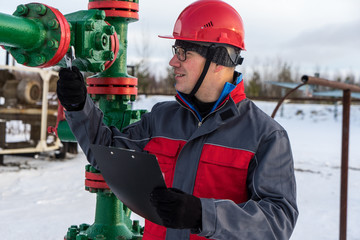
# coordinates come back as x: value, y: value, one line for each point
x: 174, y: 61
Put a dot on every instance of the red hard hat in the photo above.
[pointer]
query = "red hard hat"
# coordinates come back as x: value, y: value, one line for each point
x: 210, y: 21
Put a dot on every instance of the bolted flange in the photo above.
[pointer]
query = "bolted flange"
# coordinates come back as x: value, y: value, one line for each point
x: 46, y: 29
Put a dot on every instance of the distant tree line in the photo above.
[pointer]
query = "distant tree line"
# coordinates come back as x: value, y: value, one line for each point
x: 256, y: 80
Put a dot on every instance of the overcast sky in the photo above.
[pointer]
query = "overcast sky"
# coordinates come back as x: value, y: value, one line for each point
x: 312, y: 35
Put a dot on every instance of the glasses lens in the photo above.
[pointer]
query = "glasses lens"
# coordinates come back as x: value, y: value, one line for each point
x: 180, y: 53
x: 173, y: 50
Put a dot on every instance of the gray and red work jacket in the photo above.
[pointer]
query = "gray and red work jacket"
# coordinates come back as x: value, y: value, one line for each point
x: 237, y: 160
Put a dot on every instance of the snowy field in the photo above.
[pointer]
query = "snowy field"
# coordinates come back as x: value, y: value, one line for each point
x: 40, y: 198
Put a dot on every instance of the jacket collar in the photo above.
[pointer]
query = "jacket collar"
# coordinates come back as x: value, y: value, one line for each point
x: 234, y: 90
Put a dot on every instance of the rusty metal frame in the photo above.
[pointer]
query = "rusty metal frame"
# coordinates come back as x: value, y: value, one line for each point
x: 347, y: 89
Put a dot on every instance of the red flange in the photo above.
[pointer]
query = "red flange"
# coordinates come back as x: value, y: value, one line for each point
x: 112, y: 86
x: 95, y: 180
x: 94, y: 176
x: 121, y: 81
x: 124, y: 14
x: 123, y: 5
x: 115, y: 46
x: 117, y: 8
x: 96, y: 185
x: 112, y: 91
x: 64, y: 39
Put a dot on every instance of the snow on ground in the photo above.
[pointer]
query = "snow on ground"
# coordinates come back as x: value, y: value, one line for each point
x: 40, y: 198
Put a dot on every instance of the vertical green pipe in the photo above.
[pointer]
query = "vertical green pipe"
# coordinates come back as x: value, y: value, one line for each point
x: 109, y: 219
x: 108, y: 209
x: 115, y: 108
x: 19, y: 32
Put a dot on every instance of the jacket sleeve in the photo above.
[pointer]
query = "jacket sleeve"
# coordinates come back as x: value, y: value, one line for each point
x: 88, y: 128
x: 271, y: 212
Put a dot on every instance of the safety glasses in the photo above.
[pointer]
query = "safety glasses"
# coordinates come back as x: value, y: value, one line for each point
x: 179, y: 52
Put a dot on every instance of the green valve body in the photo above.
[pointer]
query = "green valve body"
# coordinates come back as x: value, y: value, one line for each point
x: 112, y: 217
x: 92, y: 38
x: 113, y: 90
x: 37, y: 35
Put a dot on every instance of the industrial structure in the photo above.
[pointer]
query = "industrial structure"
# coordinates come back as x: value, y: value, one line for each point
x: 40, y: 36
x: 21, y: 90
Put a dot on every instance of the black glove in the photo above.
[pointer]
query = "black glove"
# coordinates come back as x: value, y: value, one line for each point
x: 176, y: 208
x: 71, y: 89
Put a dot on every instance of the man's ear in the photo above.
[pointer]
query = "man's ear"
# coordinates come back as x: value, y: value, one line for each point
x: 218, y: 68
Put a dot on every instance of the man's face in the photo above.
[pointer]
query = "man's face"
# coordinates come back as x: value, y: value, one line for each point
x: 187, y: 72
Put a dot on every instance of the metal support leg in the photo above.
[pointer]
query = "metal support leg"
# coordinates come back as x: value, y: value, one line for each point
x: 344, y: 162
x: 2, y: 139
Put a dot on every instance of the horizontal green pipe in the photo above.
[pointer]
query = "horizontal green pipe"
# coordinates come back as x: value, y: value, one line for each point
x: 18, y: 32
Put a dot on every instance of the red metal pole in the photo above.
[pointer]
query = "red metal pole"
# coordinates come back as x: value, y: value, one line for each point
x: 344, y: 162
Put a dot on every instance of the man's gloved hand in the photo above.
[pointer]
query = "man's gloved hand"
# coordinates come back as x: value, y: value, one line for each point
x: 71, y: 89
x: 176, y: 208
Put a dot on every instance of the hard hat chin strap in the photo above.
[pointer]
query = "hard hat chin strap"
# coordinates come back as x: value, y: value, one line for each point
x: 209, y: 56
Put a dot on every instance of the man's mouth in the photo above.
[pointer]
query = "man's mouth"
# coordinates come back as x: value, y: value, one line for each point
x: 179, y: 75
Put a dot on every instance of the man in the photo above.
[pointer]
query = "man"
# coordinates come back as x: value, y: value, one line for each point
x: 227, y: 165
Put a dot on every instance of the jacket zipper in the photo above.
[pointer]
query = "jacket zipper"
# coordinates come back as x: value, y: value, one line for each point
x: 201, y: 122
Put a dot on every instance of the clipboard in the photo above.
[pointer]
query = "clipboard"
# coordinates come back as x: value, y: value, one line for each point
x: 131, y: 176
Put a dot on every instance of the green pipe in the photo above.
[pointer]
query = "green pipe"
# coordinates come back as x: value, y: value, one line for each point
x: 19, y: 32
x: 64, y: 132
x: 109, y: 219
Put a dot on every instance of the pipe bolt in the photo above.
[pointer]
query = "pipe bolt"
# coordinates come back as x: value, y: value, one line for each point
x: 41, y: 10
x: 53, y: 24
x: 100, y: 15
x: 21, y: 58
x: 101, y: 67
x: 72, y: 232
x: 84, y: 226
x: 90, y: 25
x: 53, y: 44
x: 22, y: 10
x: 110, y: 97
x: 81, y: 236
x: 108, y: 55
x: 90, y: 53
x: 109, y: 30
x: 40, y: 59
